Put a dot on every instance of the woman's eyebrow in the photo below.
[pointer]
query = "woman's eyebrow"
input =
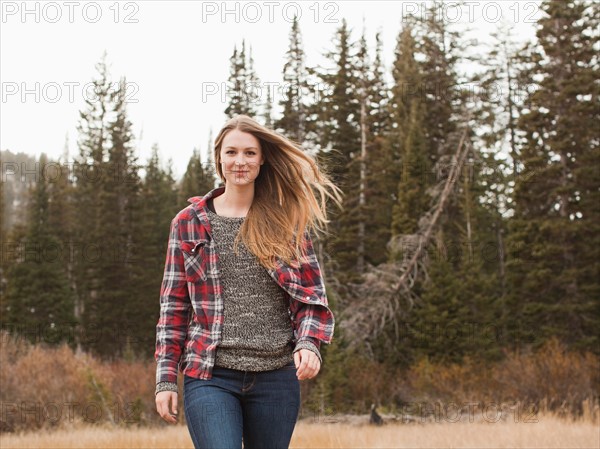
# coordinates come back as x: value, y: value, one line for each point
x: 235, y: 148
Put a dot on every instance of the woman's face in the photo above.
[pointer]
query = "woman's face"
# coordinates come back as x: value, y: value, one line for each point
x: 241, y: 157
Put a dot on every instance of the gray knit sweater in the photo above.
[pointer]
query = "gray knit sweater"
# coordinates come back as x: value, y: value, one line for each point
x: 257, y: 333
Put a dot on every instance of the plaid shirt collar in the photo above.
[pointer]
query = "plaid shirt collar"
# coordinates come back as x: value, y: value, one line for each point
x: 199, y: 205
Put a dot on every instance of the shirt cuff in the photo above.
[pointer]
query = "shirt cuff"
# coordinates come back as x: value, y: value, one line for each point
x: 308, y: 344
x: 165, y: 386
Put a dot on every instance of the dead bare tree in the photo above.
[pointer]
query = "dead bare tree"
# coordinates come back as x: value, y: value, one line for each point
x: 386, y: 292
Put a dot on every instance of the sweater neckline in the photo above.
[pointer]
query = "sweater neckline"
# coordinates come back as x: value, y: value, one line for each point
x: 222, y: 217
x: 213, y: 212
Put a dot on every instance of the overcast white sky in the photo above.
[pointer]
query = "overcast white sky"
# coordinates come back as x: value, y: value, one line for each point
x: 170, y: 52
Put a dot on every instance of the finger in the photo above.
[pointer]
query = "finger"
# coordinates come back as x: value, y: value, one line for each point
x: 164, y: 411
x: 314, y: 367
x: 306, y: 366
x: 303, y: 365
x: 172, y: 413
x: 299, y: 360
x: 315, y: 372
x: 174, y: 404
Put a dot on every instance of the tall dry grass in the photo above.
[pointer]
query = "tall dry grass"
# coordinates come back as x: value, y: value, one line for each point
x: 550, y: 431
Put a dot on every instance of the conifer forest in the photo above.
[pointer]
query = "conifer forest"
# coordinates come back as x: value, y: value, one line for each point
x: 469, y: 234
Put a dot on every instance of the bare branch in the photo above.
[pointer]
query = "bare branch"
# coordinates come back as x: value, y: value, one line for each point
x: 387, y: 290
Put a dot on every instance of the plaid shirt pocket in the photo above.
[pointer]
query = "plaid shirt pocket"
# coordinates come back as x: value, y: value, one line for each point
x: 194, y: 259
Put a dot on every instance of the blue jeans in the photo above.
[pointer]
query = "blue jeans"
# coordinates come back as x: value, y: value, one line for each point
x: 262, y: 407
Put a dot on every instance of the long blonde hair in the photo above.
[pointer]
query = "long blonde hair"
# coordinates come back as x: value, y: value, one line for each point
x: 284, y: 203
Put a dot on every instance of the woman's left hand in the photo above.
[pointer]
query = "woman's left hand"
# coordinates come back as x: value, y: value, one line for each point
x: 307, y: 364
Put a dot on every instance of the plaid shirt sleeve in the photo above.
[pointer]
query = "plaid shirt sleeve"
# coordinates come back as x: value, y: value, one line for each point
x: 175, y: 305
x: 315, y: 321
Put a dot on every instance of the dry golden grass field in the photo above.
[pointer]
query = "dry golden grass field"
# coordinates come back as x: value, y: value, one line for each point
x: 544, y: 431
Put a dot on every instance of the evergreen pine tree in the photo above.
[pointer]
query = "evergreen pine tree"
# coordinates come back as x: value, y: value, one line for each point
x: 380, y: 181
x: 243, y: 85
x: 38, y: 298
x: 117, y: 301
x: 235, y: 85
x: 159, y: 199
x: 339, y: 112
x: 409, y: 135
x: 268, y: 109
x: 196, y: 181
x: 92, y: 169
x: 295, y: 78
x: 554, y: 239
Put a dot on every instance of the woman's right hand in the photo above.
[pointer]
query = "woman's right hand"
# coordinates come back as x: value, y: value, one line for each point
x: 166, y: 405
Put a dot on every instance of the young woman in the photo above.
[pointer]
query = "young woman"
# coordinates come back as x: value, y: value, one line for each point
x: 243, y: 308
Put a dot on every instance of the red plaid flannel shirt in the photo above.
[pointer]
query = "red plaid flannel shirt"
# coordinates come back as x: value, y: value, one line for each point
x: 191, y: 303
